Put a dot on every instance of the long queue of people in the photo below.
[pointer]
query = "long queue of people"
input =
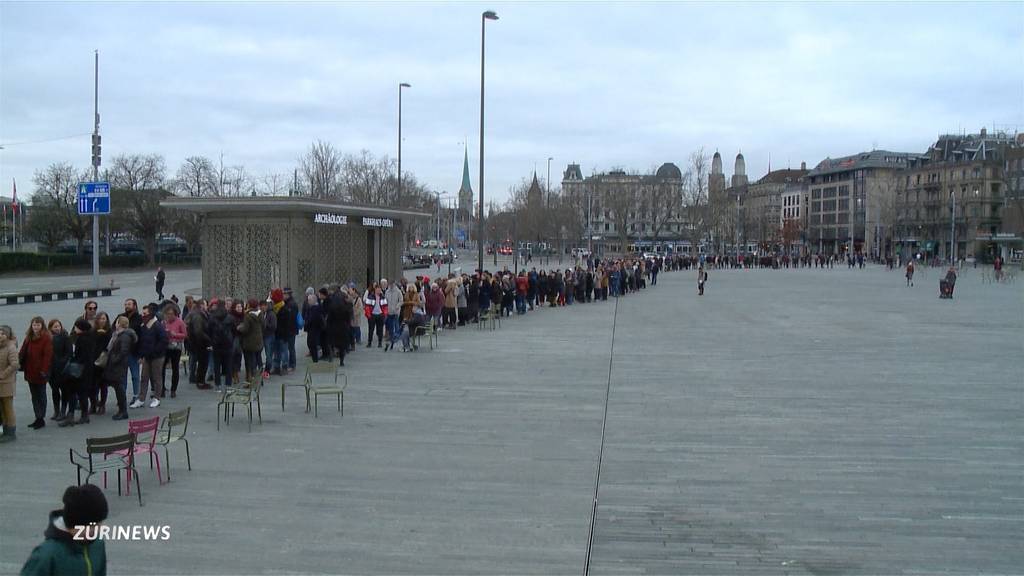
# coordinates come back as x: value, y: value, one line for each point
x: 231, y: 341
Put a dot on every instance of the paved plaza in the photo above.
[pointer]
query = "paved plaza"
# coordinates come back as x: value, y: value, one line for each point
x: 787, y: 422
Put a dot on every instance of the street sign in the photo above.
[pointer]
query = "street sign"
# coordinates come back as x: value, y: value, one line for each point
x: 93, y: 198
x: 460, y: 235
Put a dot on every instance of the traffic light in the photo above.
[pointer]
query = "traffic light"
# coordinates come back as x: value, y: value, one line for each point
x: 96, y: 148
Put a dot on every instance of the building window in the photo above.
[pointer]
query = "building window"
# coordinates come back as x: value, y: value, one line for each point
x: 815, y: 207
x: 816, y: 193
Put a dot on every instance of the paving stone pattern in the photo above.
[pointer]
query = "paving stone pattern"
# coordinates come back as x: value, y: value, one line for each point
x: 787, y: 422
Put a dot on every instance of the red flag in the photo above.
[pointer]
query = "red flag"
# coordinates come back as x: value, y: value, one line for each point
x: 14, y: 198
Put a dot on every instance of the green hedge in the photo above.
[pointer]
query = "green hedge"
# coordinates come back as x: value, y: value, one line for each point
x: 26, y: 261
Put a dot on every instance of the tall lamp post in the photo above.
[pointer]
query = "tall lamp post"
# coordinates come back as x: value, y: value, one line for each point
x: 488, y: 15
x: 380, y: 247
x: 400, y: 86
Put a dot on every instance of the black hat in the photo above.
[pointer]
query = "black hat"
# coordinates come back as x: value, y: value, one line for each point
x: 84, y: 504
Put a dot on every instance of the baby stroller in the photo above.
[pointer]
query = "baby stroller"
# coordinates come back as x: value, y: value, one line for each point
x: 946, y: 286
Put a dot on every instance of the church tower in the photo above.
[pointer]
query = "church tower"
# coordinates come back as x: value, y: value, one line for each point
x: 739, y: 175
x: 716, y: 183
x: 466, y: 190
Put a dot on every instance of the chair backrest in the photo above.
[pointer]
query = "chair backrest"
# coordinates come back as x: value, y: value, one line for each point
x: 321, y: 368
x: 110, y: 444
x: 175, y: 424
x: 145, y: 430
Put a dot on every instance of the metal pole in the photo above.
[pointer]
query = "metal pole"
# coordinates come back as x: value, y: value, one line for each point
x: 95, y: 174
x: 480, y: 222
x: 480, y: 202
x: 952, y: 231
x: 399, y: 141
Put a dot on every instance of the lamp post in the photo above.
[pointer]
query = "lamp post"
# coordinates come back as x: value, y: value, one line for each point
x: 952, y: 230
x: 488, y: 15
x: 400, y: 86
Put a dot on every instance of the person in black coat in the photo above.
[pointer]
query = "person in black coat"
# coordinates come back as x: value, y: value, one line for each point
x: 61, y: 354
x: 81, y: 384
x: 284, y: 331
x: 339, y: 322
x: 222, y: 342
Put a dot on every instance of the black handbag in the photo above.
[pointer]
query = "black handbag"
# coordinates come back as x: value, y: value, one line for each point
x: 74, y: 370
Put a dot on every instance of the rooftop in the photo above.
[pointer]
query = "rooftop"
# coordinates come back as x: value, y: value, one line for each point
x: 872, y: 159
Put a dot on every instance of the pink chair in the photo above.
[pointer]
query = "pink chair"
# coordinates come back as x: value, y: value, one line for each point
x: 145, y: 432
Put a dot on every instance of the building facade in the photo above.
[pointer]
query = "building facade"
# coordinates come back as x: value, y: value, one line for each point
x: 620, y: 212
x: 763, y: 206
x: 953, y: 198
x: 850, y: 203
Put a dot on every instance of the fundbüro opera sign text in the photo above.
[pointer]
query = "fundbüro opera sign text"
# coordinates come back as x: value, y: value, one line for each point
x: 328, y: 218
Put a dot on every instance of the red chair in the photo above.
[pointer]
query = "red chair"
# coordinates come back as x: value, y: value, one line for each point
x: 146, y: 432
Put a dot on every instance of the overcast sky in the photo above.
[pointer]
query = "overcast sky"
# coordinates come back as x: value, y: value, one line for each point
x: 607, y: 85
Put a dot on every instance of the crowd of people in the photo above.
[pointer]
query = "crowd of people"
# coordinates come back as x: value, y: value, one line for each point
x: 138, y: 352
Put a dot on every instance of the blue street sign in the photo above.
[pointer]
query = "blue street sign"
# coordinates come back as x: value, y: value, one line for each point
x: 460, y: 235
x: 93, y: 198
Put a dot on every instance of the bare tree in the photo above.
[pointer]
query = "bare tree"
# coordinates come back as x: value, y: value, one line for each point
x: 196, y: 178
x: 697, y: 205
x: 621, y: 200
x: 321, y: 167
x: 56, y: 188
x: 136, y: 172
x: 140, y: 214
x: 366, y: 179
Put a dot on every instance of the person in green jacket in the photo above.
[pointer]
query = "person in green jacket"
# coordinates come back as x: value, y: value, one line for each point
x: 61, y: 553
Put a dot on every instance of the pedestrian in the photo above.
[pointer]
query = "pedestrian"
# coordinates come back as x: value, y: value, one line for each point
x: 324, y: 299
x: 910, y: 273
x: 119, y: 355
x: 375, y: 308
x: 198, y: 344
x: 71, y: 547
x: 34, y: 359
x: 160, y: 277
x: 313, y: 324
x: 451, y: 288
x: 702, y: 278
x: 285, y: 327
x: 393, y: 294
x: 78, y: 373
x: 151, y: 349
x: 176, y: 334
x: 251, y: 331
x: 339, y: 322
x: 103, y: 332
x: 8, y: 371
x: 131, y: 312
x: 293, y: 308
x: 63, y: 402
x: 269, y: 330
x: 222, y: 342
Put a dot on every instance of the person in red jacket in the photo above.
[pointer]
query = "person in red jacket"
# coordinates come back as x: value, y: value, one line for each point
x: 35, y: 357
x: 375, y: 308
x: 522, y: 287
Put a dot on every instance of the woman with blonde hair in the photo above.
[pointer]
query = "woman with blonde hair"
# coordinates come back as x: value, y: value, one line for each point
x: 119, y: 352
x: 8, y: 368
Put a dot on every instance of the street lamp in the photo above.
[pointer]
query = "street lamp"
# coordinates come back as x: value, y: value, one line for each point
x: 400, y: 86
x: 488, y: 15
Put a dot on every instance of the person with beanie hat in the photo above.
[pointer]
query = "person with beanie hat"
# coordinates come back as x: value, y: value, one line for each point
x: 68, y: 549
